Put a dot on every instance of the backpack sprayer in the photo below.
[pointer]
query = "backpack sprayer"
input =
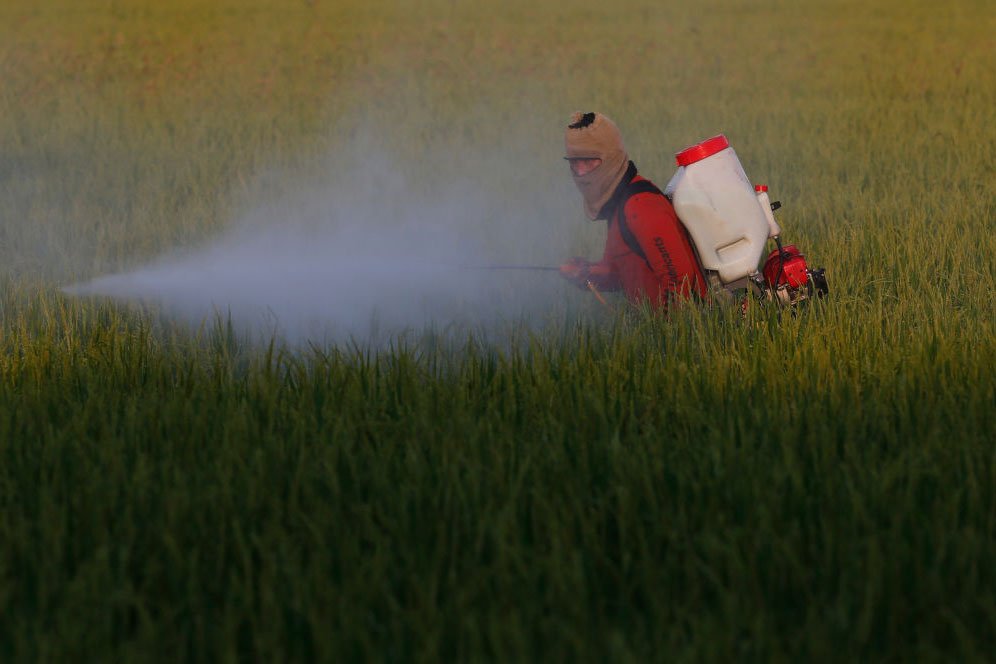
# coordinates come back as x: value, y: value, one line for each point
x: 730, y: 222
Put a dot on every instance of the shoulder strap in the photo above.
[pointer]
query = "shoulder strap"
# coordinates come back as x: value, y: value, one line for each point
x: 633, y: 188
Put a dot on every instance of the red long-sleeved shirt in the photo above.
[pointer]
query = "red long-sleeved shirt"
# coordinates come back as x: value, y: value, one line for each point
x: 670, y: 267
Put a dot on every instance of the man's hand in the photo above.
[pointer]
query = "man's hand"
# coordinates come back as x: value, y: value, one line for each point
x: 576, y: 271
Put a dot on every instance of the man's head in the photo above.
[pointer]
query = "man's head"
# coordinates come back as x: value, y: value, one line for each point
x: 597, y: 158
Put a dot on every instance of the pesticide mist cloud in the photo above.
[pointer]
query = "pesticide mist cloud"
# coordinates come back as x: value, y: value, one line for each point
x: 374, y: 250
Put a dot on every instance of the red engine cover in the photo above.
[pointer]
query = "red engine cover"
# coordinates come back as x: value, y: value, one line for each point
x: 791, y: 265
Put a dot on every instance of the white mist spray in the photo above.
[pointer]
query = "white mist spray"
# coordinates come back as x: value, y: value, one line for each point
x: 369, y: 254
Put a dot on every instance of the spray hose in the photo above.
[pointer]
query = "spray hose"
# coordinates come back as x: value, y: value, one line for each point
x: 594, y: 291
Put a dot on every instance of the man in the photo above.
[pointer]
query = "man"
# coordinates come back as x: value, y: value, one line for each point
x: 648, y: 254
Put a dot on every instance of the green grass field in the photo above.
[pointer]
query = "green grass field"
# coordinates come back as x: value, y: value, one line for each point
x: 610, y: 486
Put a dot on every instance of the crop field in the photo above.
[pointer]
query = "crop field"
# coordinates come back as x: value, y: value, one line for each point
x: 563, y: 481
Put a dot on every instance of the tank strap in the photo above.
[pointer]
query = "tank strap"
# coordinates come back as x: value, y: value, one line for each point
x: 633, y: 188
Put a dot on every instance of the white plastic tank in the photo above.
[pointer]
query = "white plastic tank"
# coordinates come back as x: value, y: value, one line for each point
x: 718, y: 205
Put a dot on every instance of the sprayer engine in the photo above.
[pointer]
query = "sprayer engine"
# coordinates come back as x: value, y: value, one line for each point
x: 787, y: 279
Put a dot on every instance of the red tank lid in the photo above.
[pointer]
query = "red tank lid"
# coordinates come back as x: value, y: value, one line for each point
x: 760, y: 187
x: 706, y: 148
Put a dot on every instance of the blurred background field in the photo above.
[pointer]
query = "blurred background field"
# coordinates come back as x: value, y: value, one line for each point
x: 611, y: 486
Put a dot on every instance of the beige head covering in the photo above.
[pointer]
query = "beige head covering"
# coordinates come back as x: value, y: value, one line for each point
x: 594, y: 135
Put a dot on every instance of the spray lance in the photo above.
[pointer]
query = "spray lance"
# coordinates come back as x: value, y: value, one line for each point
x: 540, y: 268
